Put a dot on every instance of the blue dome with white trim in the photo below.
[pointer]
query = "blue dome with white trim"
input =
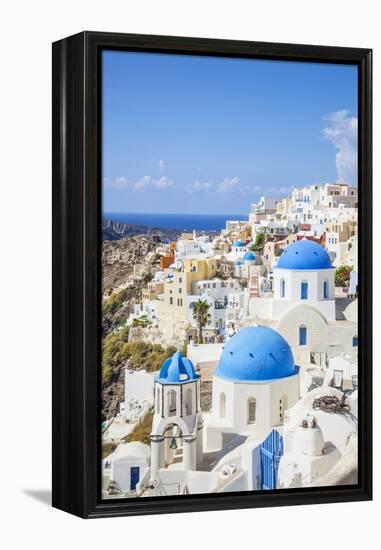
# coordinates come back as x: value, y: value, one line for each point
x: 238, y: 243
x: 256, y: 354
x: 304, y: 255
x: 249, y: 256
x: 177, y: 370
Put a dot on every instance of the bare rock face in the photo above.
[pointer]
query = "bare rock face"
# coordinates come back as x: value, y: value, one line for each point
x: 112, y: 230
x: 120, y: 257
x: 150, y: 335
x: 113, y: 394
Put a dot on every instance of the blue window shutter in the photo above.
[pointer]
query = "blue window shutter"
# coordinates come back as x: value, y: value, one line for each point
x: 304, y: 291
x: 302, y: 336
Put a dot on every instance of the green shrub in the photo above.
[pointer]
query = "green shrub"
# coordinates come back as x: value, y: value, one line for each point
x: 142, y: 431
x: 107, y: 449
x: 147, y: 277
x: 342, y: 275
x: 117, y: 350
x: 260, y: 240
x: 113, y: 352
x: 115, y: 301
x: 141, y: 322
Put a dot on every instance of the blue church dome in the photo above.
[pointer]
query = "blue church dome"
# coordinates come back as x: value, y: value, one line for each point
x: 256, y: 354
x: 177, y: 370
x: 238, y: 243
x: 306, y: 255
x: 249, y: 256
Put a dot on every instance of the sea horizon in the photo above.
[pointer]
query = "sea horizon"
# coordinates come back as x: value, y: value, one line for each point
x: 184, y: 222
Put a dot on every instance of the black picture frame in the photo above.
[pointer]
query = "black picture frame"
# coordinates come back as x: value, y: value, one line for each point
x: 77, y: 271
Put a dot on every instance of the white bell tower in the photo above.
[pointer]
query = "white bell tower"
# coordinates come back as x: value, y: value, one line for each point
x: 176, y: 434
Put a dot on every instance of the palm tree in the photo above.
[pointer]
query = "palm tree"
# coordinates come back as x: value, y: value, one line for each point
x: 201, y: 316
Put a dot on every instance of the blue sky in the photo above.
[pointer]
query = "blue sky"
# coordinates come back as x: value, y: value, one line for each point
x: 210, y: 135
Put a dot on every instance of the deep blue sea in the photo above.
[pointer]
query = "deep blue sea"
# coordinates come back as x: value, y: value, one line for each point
x: 183, y: 222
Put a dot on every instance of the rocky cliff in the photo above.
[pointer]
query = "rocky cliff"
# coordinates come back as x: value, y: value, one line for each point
x: 120, y: 257
x: 113, y: 231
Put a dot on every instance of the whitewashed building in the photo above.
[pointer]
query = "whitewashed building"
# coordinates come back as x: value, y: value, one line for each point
x: 255, y: 382
x: 303, y: 307
x: 126, y: 466
x: 177, y: 421
x: 221, y: 296
x: 320, y: 447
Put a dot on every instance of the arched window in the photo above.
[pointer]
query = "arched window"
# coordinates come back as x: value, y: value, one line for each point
x: 251, y: 410
x: 222, y: 405
x: 171, y: 396
x: 326, y: 290
x: 188, y: 402
x: 282, y: 288
x: 304, y: 290
x: 302, y: 335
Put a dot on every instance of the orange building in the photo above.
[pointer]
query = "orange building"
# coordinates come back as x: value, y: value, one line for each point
x: 166, y: 261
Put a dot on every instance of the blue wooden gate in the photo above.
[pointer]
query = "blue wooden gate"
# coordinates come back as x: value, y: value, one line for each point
x: 271, y: 451
x: 134, y: 477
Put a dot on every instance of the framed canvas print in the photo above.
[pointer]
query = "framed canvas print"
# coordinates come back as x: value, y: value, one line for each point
x: 212, y: 274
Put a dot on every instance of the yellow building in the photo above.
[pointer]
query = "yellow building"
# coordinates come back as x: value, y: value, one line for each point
x: 271, y: 249
x: 198, y: 269
x: 172, y: 308
x: 284, y: 206
x: 152, y: 291
x: 344, y: 229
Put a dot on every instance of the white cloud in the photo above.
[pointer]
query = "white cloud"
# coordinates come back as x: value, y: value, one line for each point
x: 142, y: 183
x: 161, y: 166
x: 121, y: 183
x: 200, y: 186
x: 162, y: 183
x: 342, y: 133
x: 245, y: 190
x: 229, y: 184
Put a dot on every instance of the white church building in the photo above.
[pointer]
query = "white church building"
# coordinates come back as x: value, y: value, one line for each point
x: 177, y: 421
x: 256, y: 419
x: 255, y: 382
x: 302, y: 307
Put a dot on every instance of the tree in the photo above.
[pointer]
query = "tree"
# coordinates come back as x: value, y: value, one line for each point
x: 147, y: 277
x: 259, y: 242
x: 201, y: 316
x: 342, y: 275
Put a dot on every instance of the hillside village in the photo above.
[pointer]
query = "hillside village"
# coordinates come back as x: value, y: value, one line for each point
x: 230, y: 362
